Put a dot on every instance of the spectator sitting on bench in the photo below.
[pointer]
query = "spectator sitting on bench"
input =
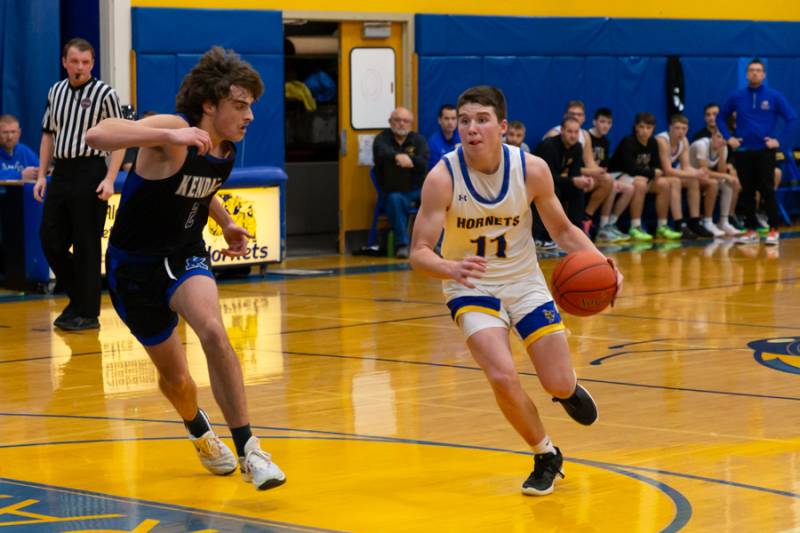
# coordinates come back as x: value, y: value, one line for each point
x: 401, y: 162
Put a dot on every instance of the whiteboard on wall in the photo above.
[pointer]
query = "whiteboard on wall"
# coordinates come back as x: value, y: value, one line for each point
x: 372, y: 87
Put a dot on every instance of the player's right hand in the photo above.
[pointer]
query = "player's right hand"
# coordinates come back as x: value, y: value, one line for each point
x: 192, y: 137
x: 39, y: 189
x: 472, y: 266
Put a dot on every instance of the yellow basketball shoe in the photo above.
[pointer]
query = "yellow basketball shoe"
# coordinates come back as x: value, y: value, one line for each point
x: 214, y: 454
x: 257, y: 467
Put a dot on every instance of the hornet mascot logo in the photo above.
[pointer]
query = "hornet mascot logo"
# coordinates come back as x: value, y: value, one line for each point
x: 778, y: 354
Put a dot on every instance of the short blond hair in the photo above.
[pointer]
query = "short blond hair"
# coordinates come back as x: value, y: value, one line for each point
x: 8, y: 119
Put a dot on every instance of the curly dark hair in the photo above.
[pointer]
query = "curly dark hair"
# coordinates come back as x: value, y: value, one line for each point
x: 210, y: 80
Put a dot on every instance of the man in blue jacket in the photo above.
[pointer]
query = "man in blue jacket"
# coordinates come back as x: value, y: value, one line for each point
x: 17, y: 161
x: 446, y: 138
x: 757, y: 109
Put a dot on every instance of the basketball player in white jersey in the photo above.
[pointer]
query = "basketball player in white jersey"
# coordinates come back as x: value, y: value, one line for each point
x: 673, y: 146
x: 711, y: 153
x: 481, y: 194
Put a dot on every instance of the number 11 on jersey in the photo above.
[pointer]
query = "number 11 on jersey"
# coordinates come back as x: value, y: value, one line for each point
x: 481, y: 244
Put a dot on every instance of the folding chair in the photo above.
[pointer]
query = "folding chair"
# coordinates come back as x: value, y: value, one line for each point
x: 372, y: 240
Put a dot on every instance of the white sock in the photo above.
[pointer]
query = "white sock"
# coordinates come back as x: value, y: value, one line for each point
x: 725, y: 197
x: 545, y: 446
x: 636, y: 222
x: 612, y: 219
x: 662, y: 222
x: 603, y: 221
x: 707, y: 220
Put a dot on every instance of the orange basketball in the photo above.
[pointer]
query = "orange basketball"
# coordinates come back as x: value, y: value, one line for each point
x: 583, y: 283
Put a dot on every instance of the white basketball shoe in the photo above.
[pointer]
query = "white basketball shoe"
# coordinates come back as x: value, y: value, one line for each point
x: 257, y: 467
x: 214, y: 454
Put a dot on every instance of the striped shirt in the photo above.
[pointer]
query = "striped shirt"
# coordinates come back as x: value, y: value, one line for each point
x: 71, y: 111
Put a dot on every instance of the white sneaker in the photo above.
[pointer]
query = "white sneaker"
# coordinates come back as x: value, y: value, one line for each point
x: 712, y: 229
x: 729, y: 229
x: 749, y: 237
x: 258, y: 468
x: 214, y: 454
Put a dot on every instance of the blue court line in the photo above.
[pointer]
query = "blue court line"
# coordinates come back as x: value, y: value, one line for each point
x: 599, y: 360
x: 390, y: 267
x: 683, y: 509
x: 694, y: 321
x: 159, y: 505
x: 337, y: 435
x: 475, y: 368
x: 533, y: 374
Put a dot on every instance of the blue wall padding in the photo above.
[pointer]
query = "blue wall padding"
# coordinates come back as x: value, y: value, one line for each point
x: 159, y: 97
x: 447, y: 35
x: 187, y: 31
x: 169, y: 42
x: 29, y: 62
x: 541, y: 63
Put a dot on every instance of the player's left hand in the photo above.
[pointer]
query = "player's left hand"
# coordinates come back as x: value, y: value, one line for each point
x: 237, y: 238
x: 771, y: 143
x: 620, y: 278
x: 105, y: 189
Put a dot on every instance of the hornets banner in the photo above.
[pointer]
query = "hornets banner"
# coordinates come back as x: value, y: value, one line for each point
x: 256, y: 209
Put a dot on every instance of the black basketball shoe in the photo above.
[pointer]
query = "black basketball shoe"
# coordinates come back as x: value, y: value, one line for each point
x: 580, y: 406
x: 546, y: 466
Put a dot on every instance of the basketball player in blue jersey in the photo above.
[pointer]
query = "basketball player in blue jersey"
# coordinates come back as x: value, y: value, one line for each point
x: 481, y: 195
x: 157, y: 264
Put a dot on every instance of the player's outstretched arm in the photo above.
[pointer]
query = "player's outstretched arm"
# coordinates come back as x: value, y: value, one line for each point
x: 569, y: 237
x: 151, y: 132
x: 437, y: 191
x: 236, y: 236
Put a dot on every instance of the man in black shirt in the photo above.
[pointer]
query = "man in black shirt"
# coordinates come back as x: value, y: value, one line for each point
x: 637, y: 161
x: 564, y: 155
x: 401, y: 162
x: 157, y: 263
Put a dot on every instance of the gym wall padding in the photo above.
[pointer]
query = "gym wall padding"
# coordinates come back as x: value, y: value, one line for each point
x: 541, y: 63
x: 168, y: 42
x: 29, y: 62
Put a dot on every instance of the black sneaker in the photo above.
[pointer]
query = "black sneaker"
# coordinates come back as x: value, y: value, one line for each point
x: 69, y: 312
x: 546, y: 466
x: 698, y: 229
x: 78, y: 323
x: 580, y: 406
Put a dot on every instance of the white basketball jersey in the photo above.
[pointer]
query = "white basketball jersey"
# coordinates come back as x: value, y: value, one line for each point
x: 676, y: 154
x: 490, y: 216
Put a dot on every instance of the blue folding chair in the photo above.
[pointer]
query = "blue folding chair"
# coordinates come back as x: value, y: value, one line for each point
x: 372, y: 240
x: 791, y: 174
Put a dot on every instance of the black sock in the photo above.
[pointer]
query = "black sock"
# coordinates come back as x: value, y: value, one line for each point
x: 198, y: 425
x: 678, y: 223
x: 587, y: 216
x: 240, y: 437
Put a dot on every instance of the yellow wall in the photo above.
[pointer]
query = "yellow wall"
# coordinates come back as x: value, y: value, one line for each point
x: 788, y: 10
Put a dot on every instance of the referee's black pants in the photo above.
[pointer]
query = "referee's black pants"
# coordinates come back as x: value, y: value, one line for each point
x: 74, y: 217
x: 756, y: 170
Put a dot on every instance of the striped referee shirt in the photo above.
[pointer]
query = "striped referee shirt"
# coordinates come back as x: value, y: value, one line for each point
x: 71, y: 111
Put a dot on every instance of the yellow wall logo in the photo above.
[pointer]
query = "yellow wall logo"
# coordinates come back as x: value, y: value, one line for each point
x: 242, y: 211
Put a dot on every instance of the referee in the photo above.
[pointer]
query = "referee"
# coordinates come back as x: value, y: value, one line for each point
x: 75, y: 204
